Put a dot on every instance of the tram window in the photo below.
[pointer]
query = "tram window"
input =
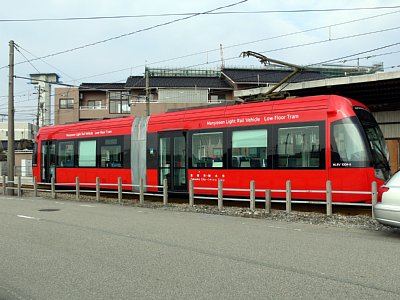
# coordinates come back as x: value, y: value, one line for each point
x: 298, y: 147
x: 87, y: 153
x: 165, y: 159
x: 207, y: 150
x: 249, y: 149
x: 347, y: 145
x: 111, y: 153
x: 65, y: 157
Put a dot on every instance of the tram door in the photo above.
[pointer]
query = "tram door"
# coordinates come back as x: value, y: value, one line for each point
x: 48, y: 161
x: 172, y: 160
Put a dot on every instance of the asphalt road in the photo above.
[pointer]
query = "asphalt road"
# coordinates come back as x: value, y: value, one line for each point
x: 100, y: 251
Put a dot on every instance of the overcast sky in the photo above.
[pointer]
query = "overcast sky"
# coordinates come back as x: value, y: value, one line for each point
x: 169, y: 34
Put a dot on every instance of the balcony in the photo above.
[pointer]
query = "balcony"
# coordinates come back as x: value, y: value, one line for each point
x: 93, y: 112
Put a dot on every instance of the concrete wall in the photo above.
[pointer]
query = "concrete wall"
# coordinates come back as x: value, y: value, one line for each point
x: 23, y: 130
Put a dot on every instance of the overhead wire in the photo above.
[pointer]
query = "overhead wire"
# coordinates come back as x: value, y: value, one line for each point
x: 310, y: 43
x: 207, y: 51
x: 42, y: 60
x: 127, y: 34
x: 17, y: 48
x: 134, y: 32
x: 194, y: 13
x: 278, y: 49
x: 238, y: 45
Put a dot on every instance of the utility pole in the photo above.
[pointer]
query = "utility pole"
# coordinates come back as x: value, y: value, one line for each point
x: 38, y: 108
x: 10, y: 147
x: 146, y: 74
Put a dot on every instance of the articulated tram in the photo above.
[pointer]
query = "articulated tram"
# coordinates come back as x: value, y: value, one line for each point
x: 307, y: 140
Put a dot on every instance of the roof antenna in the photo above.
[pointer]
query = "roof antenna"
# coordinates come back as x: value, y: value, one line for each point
x: 221, y: 51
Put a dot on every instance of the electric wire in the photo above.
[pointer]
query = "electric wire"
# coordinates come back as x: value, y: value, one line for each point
x: 238, y: 45
x: 263, y: 40
x: 194, y: 13
x: 133, y: 32
x: 272, y: 50
x: 17, y: 48
x: 207, y: 51
x: 42, y: 60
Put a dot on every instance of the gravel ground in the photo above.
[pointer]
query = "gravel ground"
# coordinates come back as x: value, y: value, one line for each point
x: 356, y: 221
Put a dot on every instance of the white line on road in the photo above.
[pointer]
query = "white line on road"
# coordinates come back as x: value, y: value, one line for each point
x: 27, y: 217
x: 285, y: 228
x: 87, y: 205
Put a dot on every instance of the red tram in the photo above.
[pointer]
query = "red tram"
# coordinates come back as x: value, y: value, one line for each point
x: 308, y: 140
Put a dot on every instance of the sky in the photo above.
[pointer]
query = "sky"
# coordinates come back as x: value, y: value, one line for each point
x: 109, y: 40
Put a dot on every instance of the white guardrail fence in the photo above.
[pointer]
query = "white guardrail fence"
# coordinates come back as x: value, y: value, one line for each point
x: 95, y: 188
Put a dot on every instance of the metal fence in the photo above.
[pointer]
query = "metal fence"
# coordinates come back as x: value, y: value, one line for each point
x: 10, y: 186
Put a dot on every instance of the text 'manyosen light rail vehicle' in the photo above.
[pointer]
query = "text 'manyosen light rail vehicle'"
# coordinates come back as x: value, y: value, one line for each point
x: 306, y: 140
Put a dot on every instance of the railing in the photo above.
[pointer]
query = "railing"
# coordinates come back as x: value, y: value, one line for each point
x: 93, y: 107
x: 10, y: 186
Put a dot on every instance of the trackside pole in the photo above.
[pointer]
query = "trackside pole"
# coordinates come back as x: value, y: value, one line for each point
x: 119, y: 190
x: 97, y: 189
x: 252, y: 195
x: 329, y: 198
x: 53, y: 187
x: 35, y: 187
x: 191, y: 193
x: 19, y: 191
x: 220, y: 195
x: 141, y: 191
x: 4, y: 185
x: 374, y: 196
x: 78, y: 191
x: 288, y: 196
x: 165, y: 192
x: 268, y: 201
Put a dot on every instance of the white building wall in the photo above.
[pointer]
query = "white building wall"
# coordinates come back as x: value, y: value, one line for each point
x: 183, y: 95
x: 22, y: 130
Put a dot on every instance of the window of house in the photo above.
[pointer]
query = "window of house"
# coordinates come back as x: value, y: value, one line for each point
x: 119, y: 102
x: 66, y: 103
x: 207, y: 150
x: 216, y: 98
x: 94, y: 104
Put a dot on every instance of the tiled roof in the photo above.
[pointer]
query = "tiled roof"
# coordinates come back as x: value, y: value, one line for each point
x: 177, y: 82
x: 243, y: 76
x: 102, y: 86
x: 238, y: 76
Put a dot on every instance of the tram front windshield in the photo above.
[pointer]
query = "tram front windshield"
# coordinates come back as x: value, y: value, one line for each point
x: 379, y: 150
